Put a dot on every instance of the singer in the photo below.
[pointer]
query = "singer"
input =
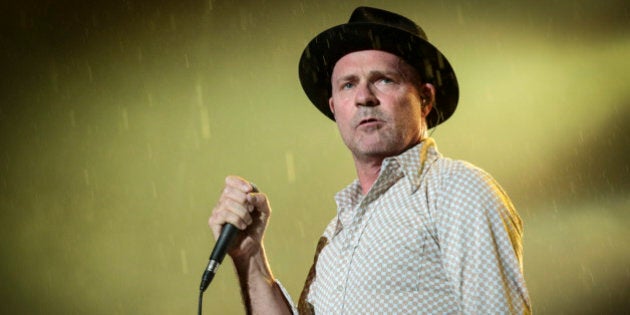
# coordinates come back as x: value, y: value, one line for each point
x: 416, y: 232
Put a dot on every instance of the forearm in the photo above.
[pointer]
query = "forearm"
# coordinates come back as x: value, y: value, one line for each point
x: 260, y: 292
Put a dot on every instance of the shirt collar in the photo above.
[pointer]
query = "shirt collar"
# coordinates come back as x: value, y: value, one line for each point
x: 411, y: 164
x: 416, y: 161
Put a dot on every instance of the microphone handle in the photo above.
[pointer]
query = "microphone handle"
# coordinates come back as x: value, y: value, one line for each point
x: 228, y: 232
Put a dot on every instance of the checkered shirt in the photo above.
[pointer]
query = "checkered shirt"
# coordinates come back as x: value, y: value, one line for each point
x: 432, y: 236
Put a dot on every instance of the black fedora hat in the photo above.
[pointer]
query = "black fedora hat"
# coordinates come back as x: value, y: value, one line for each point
x: 371, y: 28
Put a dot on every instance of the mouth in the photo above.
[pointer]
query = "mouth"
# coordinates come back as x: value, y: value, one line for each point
x: 368, y: 121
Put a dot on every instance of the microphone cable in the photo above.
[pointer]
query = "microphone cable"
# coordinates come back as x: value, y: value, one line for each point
x: 199, y: 312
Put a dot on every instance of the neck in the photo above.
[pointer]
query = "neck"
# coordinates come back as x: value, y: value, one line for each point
x: 369, y: 167
x: 367, y: 172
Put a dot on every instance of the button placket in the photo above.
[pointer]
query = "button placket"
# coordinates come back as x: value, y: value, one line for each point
x: 349, y: 238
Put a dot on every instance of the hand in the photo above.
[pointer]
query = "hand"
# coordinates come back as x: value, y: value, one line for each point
x: 246, y: 210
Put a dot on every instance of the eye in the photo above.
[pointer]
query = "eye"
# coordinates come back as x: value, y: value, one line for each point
x: 347, y: 85
x: 386, y: 80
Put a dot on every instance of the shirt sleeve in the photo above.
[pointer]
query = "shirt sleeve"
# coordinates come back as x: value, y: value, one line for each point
x: 479, y: 233
x: 287, y: 297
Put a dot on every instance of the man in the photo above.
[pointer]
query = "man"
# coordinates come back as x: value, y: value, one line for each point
x: 416, y: 232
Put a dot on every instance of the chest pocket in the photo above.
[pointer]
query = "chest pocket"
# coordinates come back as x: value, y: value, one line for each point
x: 389, y: 248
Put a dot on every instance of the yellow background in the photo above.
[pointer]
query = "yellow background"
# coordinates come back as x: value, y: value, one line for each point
x: 120, y: 119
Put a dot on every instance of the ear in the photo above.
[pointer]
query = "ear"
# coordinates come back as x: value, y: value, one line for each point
x: 331, y: 105
x: 427, y: 97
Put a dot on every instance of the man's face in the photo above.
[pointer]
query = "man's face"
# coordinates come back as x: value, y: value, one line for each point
x: 377, y: 105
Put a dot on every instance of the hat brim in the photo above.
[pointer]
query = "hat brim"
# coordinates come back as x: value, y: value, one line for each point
x: 323, y: 52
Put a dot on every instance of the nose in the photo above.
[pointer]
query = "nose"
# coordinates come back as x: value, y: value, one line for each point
x: 365, y: 95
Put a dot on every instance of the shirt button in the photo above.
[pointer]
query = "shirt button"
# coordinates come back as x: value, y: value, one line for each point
x: 340, y: 288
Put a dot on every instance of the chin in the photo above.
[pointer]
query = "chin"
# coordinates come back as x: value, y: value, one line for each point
x: 380, y: 151
x: 378, y: 145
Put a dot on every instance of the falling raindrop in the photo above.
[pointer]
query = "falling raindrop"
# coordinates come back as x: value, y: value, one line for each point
x: 149, y: 151
x: 460, y: 15
x: 205, y: 122
x: 86, y: 177
x: 89, y: 72
x: 150, y: 99
x: 162, y: 256
x: 125, y: 118
x: 154, y: 189
x: 199, y: 91
x: 54, y: 77
x: 184, y: 261
x: 301, y: 228
x: 139, y: 55
x: 290, y: 167
x: 203, y: 112
x: 73, y: 121
x: 173, y: 22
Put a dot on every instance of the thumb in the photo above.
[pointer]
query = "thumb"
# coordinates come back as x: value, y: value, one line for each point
x: 259, y: 201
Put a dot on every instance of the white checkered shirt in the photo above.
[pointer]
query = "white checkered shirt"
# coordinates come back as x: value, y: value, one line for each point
x: 432, y: 236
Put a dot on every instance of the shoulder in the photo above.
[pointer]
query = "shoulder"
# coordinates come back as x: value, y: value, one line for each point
x: 461, y: 187
x: 458, y: 174
x: 330, y: 229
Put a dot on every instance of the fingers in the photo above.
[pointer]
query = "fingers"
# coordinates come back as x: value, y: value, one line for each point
x: 233, y: 208
x: 238, y: 214
x: 236, y: 204
x: 238, y: 183
x: 259, y: 201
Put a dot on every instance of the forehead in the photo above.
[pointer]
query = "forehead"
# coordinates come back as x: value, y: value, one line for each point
x: 369, y: 60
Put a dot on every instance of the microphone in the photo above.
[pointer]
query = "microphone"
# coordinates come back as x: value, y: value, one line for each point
x: 228, y: 233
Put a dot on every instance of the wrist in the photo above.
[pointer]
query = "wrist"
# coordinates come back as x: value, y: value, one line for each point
x: 261, y: 294
x: 253, y: 267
